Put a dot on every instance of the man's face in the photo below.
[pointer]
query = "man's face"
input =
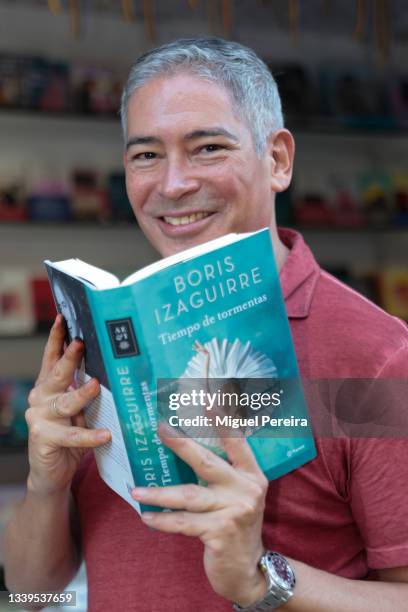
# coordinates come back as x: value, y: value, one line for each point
x: 192, y: 173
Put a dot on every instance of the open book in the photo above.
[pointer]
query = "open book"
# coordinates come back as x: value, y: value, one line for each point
x: 202, y: 324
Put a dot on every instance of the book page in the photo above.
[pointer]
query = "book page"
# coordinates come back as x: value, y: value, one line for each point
x: 111, y: 458
x: 91, y: 275
x: 100, y: 279
x: 184, y: 256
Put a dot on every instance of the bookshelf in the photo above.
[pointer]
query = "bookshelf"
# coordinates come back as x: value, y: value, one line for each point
x: 14, y: 465
x: 52, y: 144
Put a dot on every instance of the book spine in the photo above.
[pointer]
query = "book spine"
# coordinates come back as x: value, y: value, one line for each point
x: 133, y: 386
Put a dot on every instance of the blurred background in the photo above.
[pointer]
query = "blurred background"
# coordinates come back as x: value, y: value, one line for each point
x: 342, y: 70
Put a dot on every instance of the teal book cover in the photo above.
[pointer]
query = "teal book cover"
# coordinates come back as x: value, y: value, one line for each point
x: 200, y: 340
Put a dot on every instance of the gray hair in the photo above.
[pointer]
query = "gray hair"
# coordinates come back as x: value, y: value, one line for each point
x: 244, y: 75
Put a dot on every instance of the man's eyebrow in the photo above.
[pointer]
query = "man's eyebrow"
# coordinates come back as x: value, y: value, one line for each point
x: 216, y: 131
x: 205, y: 133
x: 142, y: 140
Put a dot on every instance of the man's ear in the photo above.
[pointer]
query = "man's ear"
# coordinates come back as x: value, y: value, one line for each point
x: 281, y: 152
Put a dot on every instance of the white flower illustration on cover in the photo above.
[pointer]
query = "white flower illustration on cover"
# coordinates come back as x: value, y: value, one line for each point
x: 225, y: 359
x: 222, y: 359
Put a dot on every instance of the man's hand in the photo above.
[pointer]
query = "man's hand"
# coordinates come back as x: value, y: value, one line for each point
x: 226, y: 515
x: 57, y: 433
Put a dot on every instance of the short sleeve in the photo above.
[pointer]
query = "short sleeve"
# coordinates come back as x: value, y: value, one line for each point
x: 379, y: 476
x: 379, y: 499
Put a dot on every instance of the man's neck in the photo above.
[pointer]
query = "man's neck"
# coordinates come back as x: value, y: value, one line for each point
x: 280, y: 250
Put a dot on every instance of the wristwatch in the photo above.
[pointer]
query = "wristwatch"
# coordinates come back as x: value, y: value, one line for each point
x: 281, y: 582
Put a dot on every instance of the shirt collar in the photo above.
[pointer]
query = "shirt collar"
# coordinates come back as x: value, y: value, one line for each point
x: 299, y: 274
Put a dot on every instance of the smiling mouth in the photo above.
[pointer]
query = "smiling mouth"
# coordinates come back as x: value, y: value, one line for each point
x: 187, y: 219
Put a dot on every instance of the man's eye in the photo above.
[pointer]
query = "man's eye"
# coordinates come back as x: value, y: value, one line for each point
x: 211, y: 148
x: 145, y: 156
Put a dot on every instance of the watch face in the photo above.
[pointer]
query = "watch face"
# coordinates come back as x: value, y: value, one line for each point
x: 281, y: 571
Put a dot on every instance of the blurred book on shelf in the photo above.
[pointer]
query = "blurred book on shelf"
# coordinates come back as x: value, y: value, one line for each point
x: 26, y: 303
x: 16, y: 302
x: 297, y: 89
x: 398, y: 95
x: 393, y: 290
x: 400, y: 192
x: 373, y: 198
x: 86, y: 195
x: 376, y: 197
x: 49, y: 200
x: 12, y: 201
x: 346, y: 211
x: 356, y: 96
x: 43, y: 303
x: 44, y: 85
x: 47, y: 85
x: 13, y: 404
x: 345, y: 95
x: 10, y: 87
x: 95, y: 90
x: 120, y: 207
x: 89, y: 198
x: 312, y: 209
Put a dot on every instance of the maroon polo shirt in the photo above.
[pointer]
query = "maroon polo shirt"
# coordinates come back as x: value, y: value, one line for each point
x: 344, y: 512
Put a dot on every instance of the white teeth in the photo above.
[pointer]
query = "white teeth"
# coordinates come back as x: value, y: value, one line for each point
x: 185, y: 220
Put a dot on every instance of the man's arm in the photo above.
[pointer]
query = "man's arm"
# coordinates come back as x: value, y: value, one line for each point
x: 318, y: 591
x: 227, y: 517
x: 40, y: 551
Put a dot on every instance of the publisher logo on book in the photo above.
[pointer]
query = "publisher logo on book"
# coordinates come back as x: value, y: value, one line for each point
x: 123, y: 338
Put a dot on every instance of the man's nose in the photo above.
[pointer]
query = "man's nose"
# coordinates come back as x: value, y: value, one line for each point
x: 178, y: 180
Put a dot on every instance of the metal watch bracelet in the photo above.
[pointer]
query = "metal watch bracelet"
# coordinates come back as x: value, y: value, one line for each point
x: 281, y: 582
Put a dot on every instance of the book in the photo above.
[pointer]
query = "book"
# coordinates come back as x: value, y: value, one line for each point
x: 355, y: 97
x: 207, y: 320
x: 17, y: 316
x: 43, y: 303
x: 393, y: 290
x: 49, y: 200
x: 89, y: 201
x: 13, y: 404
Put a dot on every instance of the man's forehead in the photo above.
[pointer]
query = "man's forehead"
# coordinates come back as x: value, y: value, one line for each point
x: 183, y: 92
x: 207, y: 103
x: 179, y: 89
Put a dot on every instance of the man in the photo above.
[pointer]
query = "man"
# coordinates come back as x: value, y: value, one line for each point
x: 205, y: 153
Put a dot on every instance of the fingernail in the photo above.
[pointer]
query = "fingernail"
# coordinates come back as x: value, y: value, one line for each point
x: 103, y: 436
x: 139, y: 493
x: 78, y: 344
x: 147, y: 516
x: 164, y: 429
